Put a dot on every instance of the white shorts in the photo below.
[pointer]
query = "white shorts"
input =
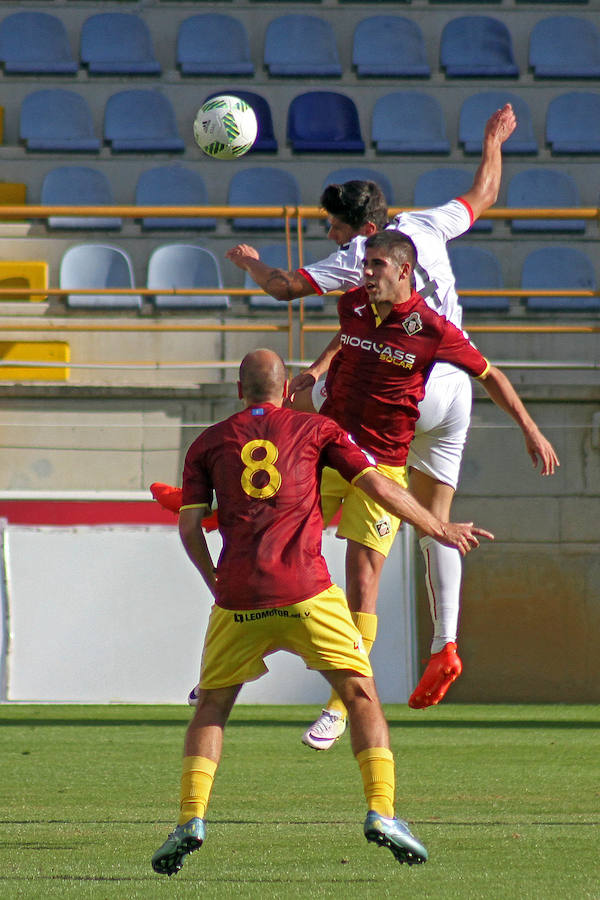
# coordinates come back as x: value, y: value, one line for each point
x: 442, y: 426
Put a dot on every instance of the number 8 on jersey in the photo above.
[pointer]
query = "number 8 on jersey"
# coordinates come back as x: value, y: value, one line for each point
x: 266, y: 464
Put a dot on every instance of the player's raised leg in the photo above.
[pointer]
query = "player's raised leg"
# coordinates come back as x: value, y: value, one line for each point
x: 363, y: 572
x: 443, y: 576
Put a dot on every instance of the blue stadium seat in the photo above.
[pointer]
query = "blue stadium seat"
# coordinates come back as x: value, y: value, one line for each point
x: 262, y: 186
x: 324, y: 121
x: 172, y: 185
x: 213, y: 44
x: 115, y: 43
x: 436, y: 186
x: 265, y: 141
x: 185, y: 266
x: 35, y: 43
x: 392, y: 133
x: 275, y: 255
x: 565, y: 47
x: 78, y: 186
x: 477, y: 109
x: 573, y: 123
x: 559, y: 268
x: 474, y: 267
x: 477, y: 47
x: 300, y: 45
x: 98, y: 266
x: 57, y: 120
x: 357, y: 173
x: 141, y: 120
x: 389, y: 46
x: 544, y: 188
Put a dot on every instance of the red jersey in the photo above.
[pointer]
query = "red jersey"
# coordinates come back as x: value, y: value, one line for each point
x: 264, y: 464
x: 377, y: 378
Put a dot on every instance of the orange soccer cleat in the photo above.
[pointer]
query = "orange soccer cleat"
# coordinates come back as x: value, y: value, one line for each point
x: 442, y: 669
x: 168, y: 496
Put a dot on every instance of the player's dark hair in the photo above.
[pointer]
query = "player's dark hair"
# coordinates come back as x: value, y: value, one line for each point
x: 355, y: 203
x: 399, y: 246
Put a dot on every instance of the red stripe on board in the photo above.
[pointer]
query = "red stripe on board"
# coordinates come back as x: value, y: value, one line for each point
x: 85, y: 512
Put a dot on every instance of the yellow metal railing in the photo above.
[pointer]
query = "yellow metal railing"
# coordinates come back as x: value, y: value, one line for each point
x: 293, y: 219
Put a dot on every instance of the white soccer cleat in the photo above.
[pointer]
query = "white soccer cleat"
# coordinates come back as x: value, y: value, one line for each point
x: 325, y: 731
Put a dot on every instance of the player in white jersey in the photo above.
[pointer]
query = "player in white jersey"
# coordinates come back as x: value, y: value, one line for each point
x: 357, y: 210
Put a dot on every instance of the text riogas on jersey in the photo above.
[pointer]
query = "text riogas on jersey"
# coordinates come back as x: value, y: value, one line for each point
x: 383, y: 351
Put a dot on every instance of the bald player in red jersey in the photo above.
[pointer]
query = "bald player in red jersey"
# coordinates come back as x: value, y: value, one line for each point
x: 273, y: 591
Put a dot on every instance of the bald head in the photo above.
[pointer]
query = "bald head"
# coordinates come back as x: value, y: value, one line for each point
x: 262, y: 377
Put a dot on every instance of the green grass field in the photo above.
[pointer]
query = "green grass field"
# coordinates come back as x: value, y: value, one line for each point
x: 506, y: 798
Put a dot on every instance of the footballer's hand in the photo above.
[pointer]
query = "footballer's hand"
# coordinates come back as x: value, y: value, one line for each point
x: 501, y: 124
x: 241, y: 254
x: 541, y: 450
x: 302, y: 382
x: 463, y: 535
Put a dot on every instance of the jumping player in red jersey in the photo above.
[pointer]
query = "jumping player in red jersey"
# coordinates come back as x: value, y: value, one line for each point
x: 273, y: 591
x: 389, y: 341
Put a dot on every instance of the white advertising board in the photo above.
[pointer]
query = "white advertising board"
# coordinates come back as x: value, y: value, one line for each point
x: 100, y: 614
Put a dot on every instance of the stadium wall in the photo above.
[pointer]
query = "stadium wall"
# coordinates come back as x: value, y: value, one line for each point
x: 531, y: 608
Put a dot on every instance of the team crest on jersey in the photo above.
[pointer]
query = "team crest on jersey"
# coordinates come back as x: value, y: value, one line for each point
x: 384, y: 527
x: 413, y: 324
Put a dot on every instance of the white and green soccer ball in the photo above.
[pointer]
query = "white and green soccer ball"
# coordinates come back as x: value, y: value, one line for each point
x: 225, y: 127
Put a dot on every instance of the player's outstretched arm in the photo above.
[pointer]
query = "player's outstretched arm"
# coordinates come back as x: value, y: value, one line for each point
x: 192, y: 538
x: 401, y: 503
x: 278, y: 283
x: 504, y: 395
x: 486, y: 184
x: 305, y: 380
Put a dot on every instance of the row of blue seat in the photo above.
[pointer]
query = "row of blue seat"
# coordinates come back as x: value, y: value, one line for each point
x: 171, y: 266
x: 298, y: 45
x: 183, y: 266
x: 143, y: 120
x: 549, y: 268
x: 268, y: 186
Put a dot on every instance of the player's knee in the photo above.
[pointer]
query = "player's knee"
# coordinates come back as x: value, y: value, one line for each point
x: 365, y: 573
x: 357, y: 691
x: 214, y: 705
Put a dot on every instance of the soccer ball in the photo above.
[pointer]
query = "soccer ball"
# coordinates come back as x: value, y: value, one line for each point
x: 225, y: 127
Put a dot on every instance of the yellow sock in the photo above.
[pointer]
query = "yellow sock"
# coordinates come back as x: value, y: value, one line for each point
x: 379, y: 780
x: 196, y: 784
x: 367, y: 625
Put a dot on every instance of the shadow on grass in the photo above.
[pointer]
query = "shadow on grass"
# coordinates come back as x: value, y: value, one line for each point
x: 86, y: 722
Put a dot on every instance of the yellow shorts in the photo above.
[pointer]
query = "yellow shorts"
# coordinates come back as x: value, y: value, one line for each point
x: 319, y: 630
x: 363, y: 520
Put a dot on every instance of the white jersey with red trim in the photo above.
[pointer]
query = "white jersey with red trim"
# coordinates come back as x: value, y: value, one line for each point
x: 430, y: 230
